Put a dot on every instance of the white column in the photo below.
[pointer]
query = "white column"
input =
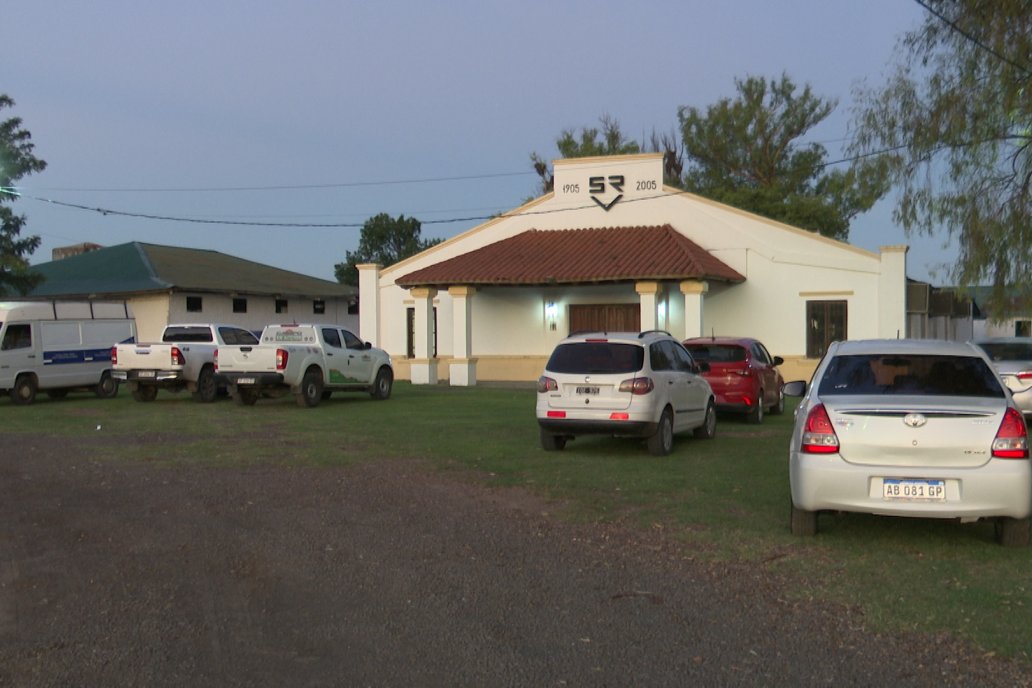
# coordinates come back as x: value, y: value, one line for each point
x: 369, y: 302
x: 462, y: 369
x: 648, y: 293
x: 694, y: 291
x: 892, y: 292
x: 424, y: 365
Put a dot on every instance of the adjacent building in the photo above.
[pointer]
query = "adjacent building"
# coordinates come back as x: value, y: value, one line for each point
x: 166, y: 284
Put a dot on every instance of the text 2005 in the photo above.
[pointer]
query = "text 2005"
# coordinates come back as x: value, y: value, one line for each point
x: 646, y: 185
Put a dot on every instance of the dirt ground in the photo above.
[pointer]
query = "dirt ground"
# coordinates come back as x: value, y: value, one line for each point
x: 390, y: 574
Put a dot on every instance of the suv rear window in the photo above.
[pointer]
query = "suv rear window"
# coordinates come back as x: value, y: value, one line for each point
x: 963, y: 376
x: 596, y: 357
x: 718, y: 353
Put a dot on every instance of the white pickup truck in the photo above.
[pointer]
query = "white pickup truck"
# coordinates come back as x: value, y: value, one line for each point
x: 309, y: 361
x: 183, y: 359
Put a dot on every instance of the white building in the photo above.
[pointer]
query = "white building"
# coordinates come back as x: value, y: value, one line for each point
x: 613, y: 248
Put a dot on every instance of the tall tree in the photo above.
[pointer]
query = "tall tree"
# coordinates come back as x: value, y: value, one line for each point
x: 608, y: 139
x: 953, y: 124
x: 16, y: 161
x: 384, y: 240
x: 747, y: 152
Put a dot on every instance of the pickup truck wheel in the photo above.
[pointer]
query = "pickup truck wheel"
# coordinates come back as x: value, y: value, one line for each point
x: 145, y: 393
x: 24, y: 390
x: 382, y: 385
x: 207, y: 387
x: 107, y: 388
x: 311, y: 388
x: 246, y: 396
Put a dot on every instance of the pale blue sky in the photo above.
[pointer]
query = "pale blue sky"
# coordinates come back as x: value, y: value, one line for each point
x: 127, y: 97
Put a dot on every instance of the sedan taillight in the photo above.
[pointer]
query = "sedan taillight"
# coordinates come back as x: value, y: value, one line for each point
x: 1012, y: 438
x: 818, y: 435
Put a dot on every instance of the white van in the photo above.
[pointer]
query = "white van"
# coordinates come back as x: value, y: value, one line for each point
x: 56, y: 346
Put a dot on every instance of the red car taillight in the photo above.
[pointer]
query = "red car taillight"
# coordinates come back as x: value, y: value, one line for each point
x: 177, y: 356
x: 546, y: 384
x: 1012, y: 438
x: 637, y: 385
x: 818, y: 435
x: 281, y: 359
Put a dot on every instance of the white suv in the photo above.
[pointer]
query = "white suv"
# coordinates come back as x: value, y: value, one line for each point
x: 626, y: 384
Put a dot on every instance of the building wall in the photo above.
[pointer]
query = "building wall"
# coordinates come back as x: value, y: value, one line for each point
x: 784, y: 267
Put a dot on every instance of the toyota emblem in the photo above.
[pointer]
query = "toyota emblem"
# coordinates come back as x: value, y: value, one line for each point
x: 914, y: 420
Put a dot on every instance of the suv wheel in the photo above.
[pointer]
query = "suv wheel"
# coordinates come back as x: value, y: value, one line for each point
x: 661, y: 442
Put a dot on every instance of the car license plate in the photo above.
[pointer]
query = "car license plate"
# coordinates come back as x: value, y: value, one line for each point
x: 145, y: 373
x: 914, y: 490
x: 587, y: 390
x: 245, y: 381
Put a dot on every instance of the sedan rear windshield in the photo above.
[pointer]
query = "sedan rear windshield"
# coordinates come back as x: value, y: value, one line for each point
x: 963, y: 376
x: 1008, y: 351
x: 718, y: 353
x: 596, y: 357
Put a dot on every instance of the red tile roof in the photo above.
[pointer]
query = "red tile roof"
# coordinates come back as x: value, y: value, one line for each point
x: 578, y: 256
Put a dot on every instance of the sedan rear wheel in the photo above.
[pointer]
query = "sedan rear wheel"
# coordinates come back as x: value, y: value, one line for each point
x: 1013, y: 532
x: 756, y: 414
x: 779, y: 408
x: 708, y: 429
x: 804, y: 523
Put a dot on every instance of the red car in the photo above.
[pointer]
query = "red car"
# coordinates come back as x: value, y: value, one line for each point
x: 743, y: 375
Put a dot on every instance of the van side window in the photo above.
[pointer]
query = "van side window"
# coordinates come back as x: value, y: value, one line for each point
x: 17, y: 337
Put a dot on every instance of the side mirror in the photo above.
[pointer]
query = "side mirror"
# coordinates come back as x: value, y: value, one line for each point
x: 778, y: 360
x: 796, y: 388
x: 366, y: 346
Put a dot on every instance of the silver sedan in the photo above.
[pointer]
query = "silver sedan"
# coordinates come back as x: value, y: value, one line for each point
x: 1012, y: 358
x: 916, y: 428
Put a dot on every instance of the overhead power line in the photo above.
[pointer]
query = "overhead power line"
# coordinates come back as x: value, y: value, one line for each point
x: 953, y: 25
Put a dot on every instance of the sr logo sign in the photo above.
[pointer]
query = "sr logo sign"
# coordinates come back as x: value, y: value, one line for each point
x: 597, y: 187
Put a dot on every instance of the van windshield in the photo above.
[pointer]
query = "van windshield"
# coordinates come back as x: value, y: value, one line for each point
x: 923, y: 375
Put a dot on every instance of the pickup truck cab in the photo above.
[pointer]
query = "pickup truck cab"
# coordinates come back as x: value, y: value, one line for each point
x: 183, y: 359
x: 309, y: 361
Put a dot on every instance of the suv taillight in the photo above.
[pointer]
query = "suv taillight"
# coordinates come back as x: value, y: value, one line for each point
x: 546, y: 384
x: 1012, y: 438
x: 818, y: 435
x: 177, y: 356
x: 637, y: 385
x: 281, y: 359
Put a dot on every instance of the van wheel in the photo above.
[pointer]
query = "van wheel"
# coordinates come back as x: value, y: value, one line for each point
x: 145, y: 393
x: 661, y: 442
x: 1013, y: 532
x: 56, y: 394
x: 24, y: 390
x: 382, y: 385
x: 107, y: 388
x: 207, y: 388
x: 311, y: 388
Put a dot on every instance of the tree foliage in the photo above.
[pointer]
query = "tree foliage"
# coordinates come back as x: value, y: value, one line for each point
x: 608, y: 139
x: 384, y: 240
x: 747, y: 152
x: 16, y: 161
x: 953, y: 124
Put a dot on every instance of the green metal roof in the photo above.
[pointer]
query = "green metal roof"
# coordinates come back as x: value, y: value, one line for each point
x: 137, y: 267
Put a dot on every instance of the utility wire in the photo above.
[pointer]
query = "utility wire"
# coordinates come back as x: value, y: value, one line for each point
x: 953, y: 25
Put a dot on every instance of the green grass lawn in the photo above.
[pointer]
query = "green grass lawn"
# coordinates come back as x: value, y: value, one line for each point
x: 726, y: 499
